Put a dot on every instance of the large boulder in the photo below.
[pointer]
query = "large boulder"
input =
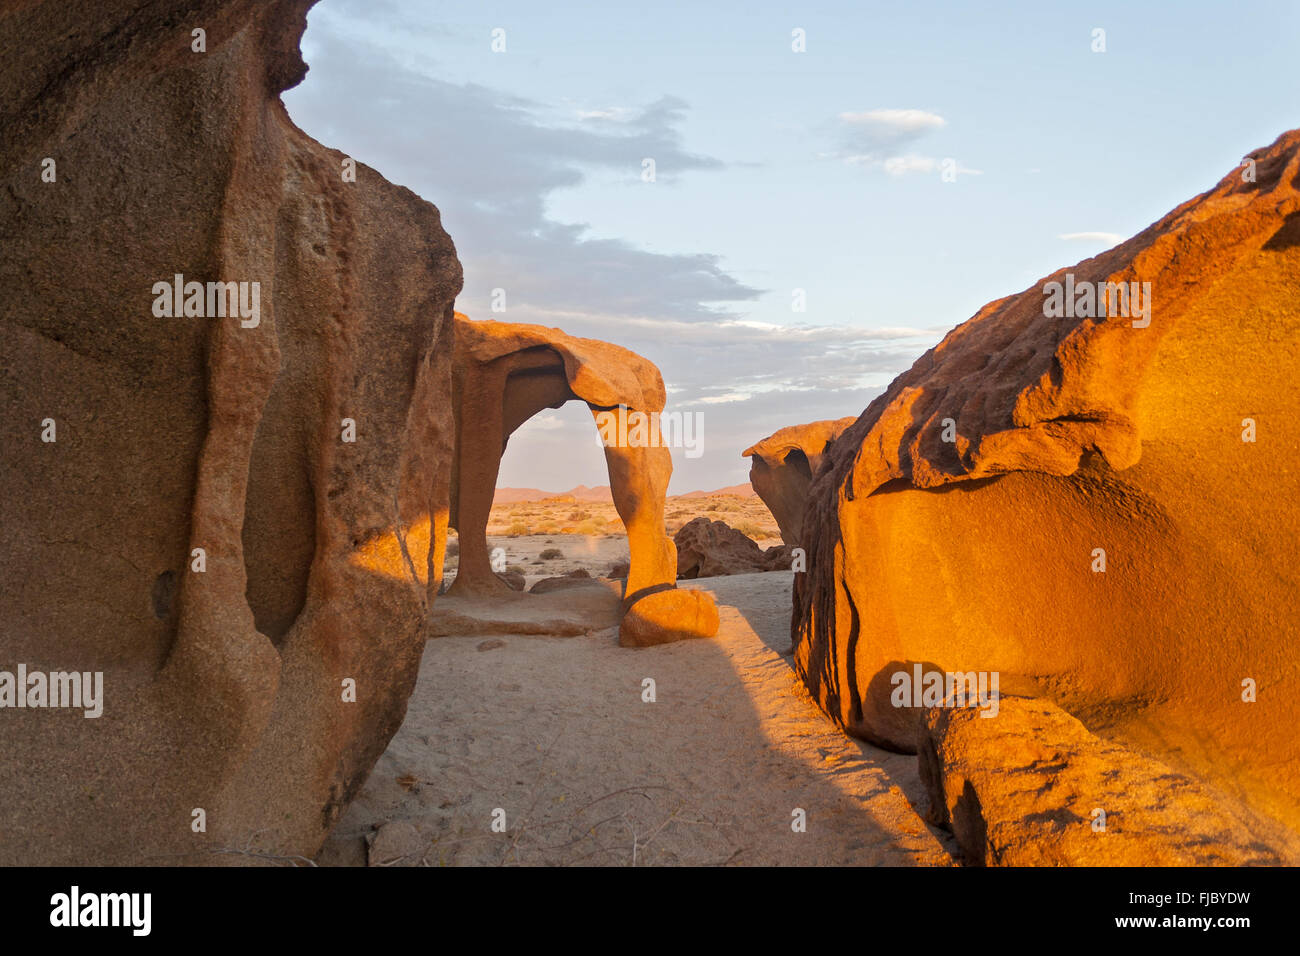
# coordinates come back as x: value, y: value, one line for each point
x: 1032, y: 787
x: 708, y: 548
x: 222, y: 523
x: 676, y: 614
x: 1099, y: 507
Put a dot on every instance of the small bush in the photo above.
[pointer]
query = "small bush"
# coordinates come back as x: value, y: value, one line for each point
x: 551, y: 554
x: 750, y: 529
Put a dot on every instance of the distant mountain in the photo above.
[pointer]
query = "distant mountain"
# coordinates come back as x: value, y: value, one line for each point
x: 744, y: 491
x: 510, y: 496
x: 601, y: 494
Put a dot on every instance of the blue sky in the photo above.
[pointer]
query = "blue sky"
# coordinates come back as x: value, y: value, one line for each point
x: 778, y: 171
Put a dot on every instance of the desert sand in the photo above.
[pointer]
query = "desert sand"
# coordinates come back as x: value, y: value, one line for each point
x: 554, y: 731
x: 567, y: 514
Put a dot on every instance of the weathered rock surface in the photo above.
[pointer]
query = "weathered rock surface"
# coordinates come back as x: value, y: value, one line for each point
x: 1032, y: 787
x: 782, y: 467
x: 708, y: 548
x: 226, y: 688
x: 578, y: 577
x: 504, y: 374
x: 1074, y: 436
x: 779, y: 558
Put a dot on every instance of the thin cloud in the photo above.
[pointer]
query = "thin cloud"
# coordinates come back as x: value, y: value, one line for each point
x: 886, y: 125
x: 1110, y: 238
x: 881, y: 139
x: 490, y: 160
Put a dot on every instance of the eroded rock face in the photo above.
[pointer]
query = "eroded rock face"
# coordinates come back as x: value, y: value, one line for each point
x: 505, y: 373
x: 1079, y: 440
x: 259, y: 684
x: 783, y: 466
x: 1032, y: 787
x: 707, y: 548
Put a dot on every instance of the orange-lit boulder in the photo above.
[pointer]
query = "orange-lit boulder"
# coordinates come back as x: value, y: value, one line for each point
x: 1032, y: 787
x: 1102, y: 509
x: 666, y: 616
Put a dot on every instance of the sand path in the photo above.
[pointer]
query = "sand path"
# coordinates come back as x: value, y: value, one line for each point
x: 555, y: 733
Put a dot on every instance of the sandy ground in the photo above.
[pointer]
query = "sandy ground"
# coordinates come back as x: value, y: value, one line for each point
x: 553, y: 735
x: 564, y: 515
x: 595, y: 554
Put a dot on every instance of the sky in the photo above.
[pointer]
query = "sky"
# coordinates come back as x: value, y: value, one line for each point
x: 817, y: 219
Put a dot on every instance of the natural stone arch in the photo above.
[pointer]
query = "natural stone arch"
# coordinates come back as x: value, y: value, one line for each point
x: 504, y: 374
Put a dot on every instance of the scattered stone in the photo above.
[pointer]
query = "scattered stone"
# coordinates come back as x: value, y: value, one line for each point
x: 575, y: 578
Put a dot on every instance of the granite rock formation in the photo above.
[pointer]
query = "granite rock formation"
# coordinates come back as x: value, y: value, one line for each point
x: 708, y: 548
x: 187, y: 499
x: 1101, y: 508
x: 782, y: 467
x: 1032, y: 787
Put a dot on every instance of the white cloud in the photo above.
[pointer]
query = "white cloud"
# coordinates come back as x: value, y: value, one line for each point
x: 900, y: 123
x: 615, y: 113
x: 724, y: 399
x: 1110, y: 238
x: 545, y: 422
x: 492, y: 187
x: 878, y: 139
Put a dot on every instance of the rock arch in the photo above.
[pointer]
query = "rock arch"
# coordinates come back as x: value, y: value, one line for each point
x: 505, y: 373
